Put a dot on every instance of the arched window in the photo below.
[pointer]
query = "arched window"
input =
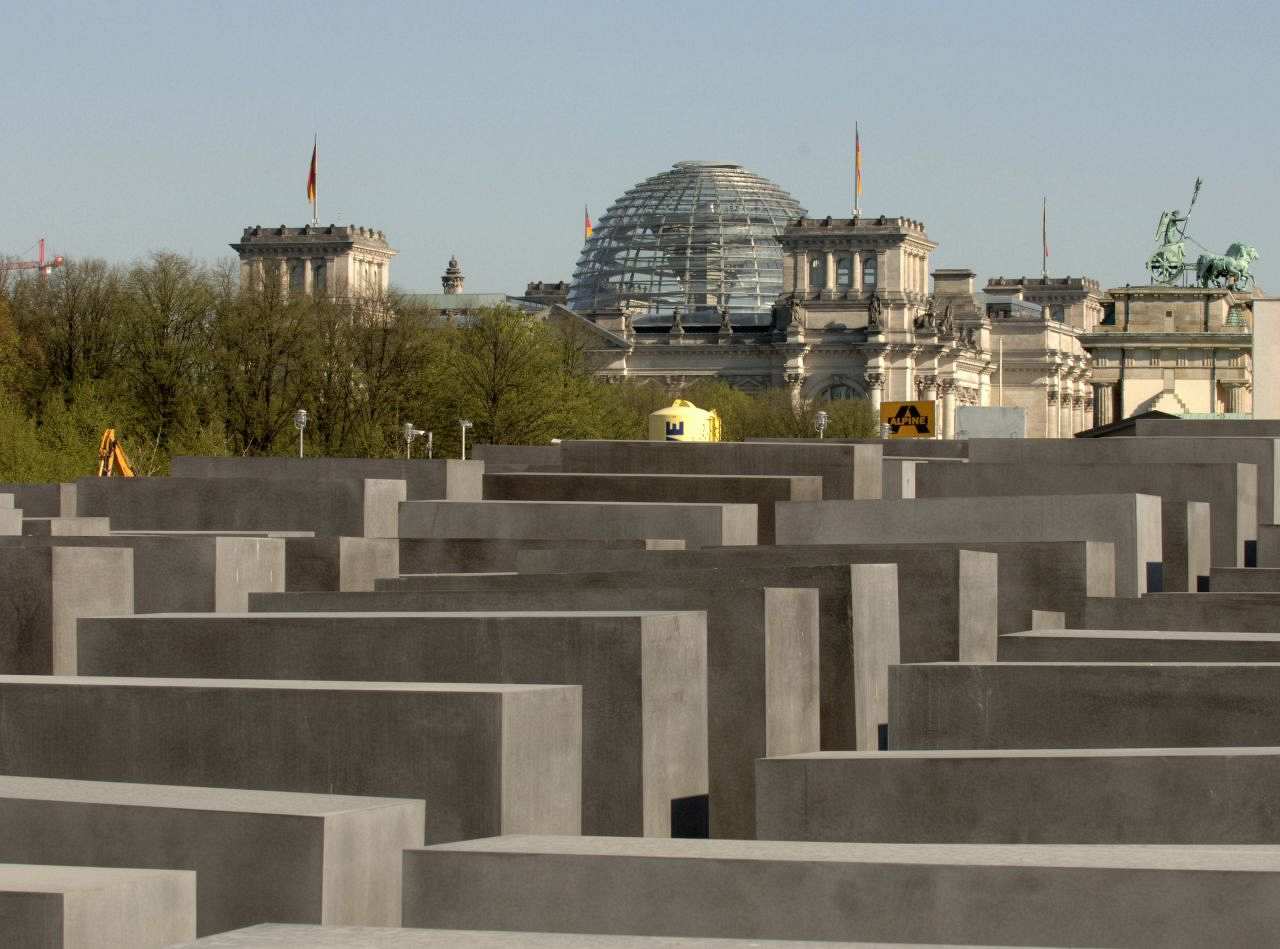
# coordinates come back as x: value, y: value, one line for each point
x: 818, y: 272
x: 839, y: 391
x: 844, y: 271
x: 869, y: 272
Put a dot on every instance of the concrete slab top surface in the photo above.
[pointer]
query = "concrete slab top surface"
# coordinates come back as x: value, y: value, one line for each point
x: 226, y: 533
x: 1254, y: 859
x: 236, y: 800
x: 269, y: 935
x: 281, y: 685
x: 1259, y: 751
x: 39, y: 878
x: 1213, y: 636
x: 349, y: 615
x: 563, y: 504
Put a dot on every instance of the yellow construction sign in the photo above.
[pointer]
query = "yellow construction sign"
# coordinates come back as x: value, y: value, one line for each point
x: 908, y: 419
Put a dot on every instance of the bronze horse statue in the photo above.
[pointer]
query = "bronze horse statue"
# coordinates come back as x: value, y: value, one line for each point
x: 1227, y: 270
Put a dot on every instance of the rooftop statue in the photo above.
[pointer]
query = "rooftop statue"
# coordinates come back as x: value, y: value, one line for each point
x: 1227, y: 270
x: 1167, y: 263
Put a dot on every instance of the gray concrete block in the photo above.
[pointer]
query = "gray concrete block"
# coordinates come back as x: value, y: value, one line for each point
x: 50, y: 907
x: 1130, y: 521
x: 1134, y: 645
x: 338, y: 563
x: 37, y: 500
x: 898, y: 479
x: 270, y: 936
x: 344, y: 508
x: 1210, y: 612
x: 10, y: 522
x: 858, y: 625
x: 1104, y: 796
x: 43, y: 590
x: 484, y: 758
x: 517, y: 457
x: 643, y: 677
x: 1084, y: 705
x: 188, y: 573
x: 1269, y: 545
x: 760, y: 490
x: 1186, y: 532
x: 65, y: 526
x: 477, y: 555
x: 698, y: 525
x: 848, y: 472
x: 1264, y: 453
x: 762, y: 665
x: 1002, y: 894
x: 1245, y: 580
x: 1056, y: 576
x: 1230, y: 489
x: 425, y: 479
x: 955, y: 620
x: 258, y: 855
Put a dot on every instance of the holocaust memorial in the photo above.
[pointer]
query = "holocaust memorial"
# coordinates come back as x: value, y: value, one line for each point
x: 972, y: 682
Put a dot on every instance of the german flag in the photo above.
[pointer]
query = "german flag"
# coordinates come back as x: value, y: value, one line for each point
x: 587, y: 229
x: 311, y: 175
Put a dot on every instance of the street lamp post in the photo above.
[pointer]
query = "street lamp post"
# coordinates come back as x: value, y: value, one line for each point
x: 300, y: 423
x: 410, y: 433
x: 464, y: 424
x: 820, y: 422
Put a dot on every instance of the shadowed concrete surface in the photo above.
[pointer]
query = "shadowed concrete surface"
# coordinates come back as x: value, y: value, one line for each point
x: 84, y: 908
x: 482, y: 757
x: 643, y: 678
x: 257, y: 854
x: 1104, y: 796
x: 1002, y: 894
x: 761, y: 665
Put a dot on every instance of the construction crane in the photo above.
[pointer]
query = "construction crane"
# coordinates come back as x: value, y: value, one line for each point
x: 40, y: 264
x: 111, y: 457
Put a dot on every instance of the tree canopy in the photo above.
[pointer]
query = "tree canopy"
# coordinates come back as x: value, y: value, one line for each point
x: 181, y: 359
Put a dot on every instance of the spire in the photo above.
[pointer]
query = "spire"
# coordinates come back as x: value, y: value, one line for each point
x: 453, y: 279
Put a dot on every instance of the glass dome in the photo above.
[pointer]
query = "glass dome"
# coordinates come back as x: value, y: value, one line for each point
x: 699, y: 237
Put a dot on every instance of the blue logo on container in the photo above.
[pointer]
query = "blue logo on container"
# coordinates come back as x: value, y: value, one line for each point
x: 674, y: 430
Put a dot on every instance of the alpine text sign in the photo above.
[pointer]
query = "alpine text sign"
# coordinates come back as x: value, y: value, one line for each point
x: 908, y: 419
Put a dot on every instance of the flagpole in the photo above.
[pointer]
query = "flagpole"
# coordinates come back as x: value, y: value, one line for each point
x: 1044, y: 238
x: 315, y: 193
x: 857, y: 172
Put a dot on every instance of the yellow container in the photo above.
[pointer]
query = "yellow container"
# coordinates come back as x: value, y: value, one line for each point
x: 684, y: 422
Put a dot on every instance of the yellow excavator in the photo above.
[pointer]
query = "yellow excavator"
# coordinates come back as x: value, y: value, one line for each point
x: 111, y: 457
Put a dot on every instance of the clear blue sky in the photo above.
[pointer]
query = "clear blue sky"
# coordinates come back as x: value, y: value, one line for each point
x: 481, y: 128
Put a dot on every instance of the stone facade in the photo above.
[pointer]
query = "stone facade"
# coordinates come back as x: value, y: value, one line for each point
x: 1182, y: 350
x: 1042, y: 366
x: 857, y: 319
x: 341, y: 261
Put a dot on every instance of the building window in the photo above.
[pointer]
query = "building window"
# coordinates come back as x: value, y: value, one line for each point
x: 297, y: 276
x: 1056, y: 313
x: 844, y: 271
x: 318, y: 276
x: 839, y: 391
x: 869, y: 273
x: 818, y: 272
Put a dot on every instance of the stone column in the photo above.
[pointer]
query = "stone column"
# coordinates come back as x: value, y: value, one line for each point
x: 874, y: 382
x: 831, y: 272
x: 802, y: 283
x: 794, y: 378
x: 947, y: 388
x: 1234, y: 392
x: 1051, y: 414
x: 306, y: 276
x: 855, y: 281
x: 1102, y: 406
